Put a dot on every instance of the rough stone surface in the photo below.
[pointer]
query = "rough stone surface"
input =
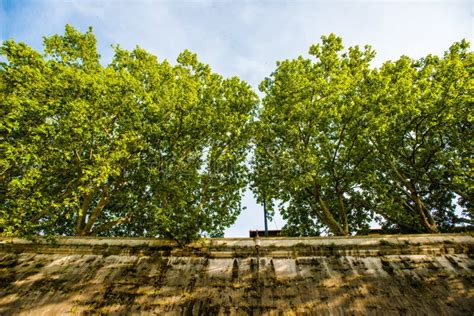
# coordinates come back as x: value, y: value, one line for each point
x: 381, y: 275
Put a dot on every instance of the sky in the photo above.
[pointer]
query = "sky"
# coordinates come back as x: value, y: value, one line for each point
x: 245, y: 38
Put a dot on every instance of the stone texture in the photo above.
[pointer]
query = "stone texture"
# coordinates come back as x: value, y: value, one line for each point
x: 382, y: 275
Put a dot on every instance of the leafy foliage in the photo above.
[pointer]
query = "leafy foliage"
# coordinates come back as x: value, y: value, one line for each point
x: 138, y: 148
x: 147, y: 148
x: 422, y: 139
x: 338, y: 140
x: 310, y: 143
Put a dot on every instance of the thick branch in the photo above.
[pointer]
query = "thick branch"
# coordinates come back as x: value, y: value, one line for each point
x: 96, y: 211
x: 424, y: 215
x: 81, y: 217
x: 342, y: 208
x: 111, y: 224
x: 325, y: 215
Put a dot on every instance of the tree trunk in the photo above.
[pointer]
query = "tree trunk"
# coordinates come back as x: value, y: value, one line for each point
x: 426, y: 219
x: 342, y: 209
x: 330, y: 221
x: 81, y: 216
x: 326, y: 216
x: 84, y: 228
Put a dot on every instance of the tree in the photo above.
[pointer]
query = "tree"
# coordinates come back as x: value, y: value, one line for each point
x: 310, y: 144
x: 138, y: 148
x: 422, y: 139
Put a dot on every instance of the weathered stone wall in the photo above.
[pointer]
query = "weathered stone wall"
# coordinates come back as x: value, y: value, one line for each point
x: 382, y: 275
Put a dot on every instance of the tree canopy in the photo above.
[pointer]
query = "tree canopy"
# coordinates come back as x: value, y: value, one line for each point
x: 311, y: 146
x: 422, y: 139
x: 143, y: 147
x: 137, y: 148
x: 339, y: 142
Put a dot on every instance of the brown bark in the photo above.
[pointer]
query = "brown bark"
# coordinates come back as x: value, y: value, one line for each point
x: 426, y: 220
x: 95, y: 213
x: 81, y: 217
x: 326, y: 216
x: 109, y: 225
x: 342, y: 209
x: 329, y: 220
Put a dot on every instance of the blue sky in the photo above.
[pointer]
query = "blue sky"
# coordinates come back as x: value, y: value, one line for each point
x: 245, y: 38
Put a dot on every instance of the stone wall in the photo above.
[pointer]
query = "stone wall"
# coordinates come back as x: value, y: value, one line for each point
x: 377, y: 275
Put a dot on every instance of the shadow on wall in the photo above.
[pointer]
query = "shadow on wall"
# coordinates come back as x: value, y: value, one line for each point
x: 57, y: 284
